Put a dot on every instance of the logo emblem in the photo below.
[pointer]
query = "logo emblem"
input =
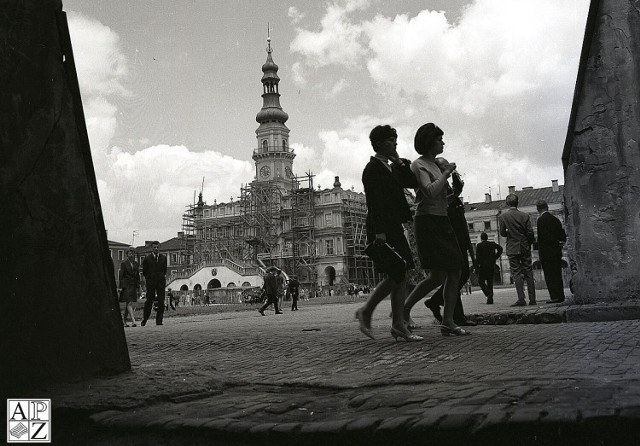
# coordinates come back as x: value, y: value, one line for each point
x: 214, y: 271
x: 29, y: 421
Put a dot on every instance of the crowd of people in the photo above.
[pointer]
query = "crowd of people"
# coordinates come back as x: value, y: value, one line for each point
x: 442, y: 238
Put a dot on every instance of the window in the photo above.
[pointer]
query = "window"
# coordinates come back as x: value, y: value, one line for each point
x: 487, y: 226
x: 265, y: 145
x: 329, y: 247
x: 120, y: 254
x: 328, y: 219
x: 284, y: 145
x: 174, y: 258
x: 470, y: 225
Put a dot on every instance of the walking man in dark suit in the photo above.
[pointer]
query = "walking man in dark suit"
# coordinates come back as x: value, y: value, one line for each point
x: 551, y: 237
x: 154, y: 268
x: 486, y: 255
x: 271, y: 290
x: 516, y: 227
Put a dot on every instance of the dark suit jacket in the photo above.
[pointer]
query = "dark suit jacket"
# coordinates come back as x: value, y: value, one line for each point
x: 516, y: 227
x: 129, y: 275
x: 270, y: 284
x: 550, y: 236
x: 154, y: 270
x: 387, y: 207
x: 487, y: 253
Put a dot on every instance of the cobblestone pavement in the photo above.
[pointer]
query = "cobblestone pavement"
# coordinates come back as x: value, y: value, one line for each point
x: 310, y: 377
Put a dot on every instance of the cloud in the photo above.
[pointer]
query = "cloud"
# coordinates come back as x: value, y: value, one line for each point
x: 297, y: 70
x: 337, y: 42
x: 294, y: 14
x: 502, y: 76
x: 97, y: 56
x: 154, y: 185
x: 145, y: 190
x: 340, y: 85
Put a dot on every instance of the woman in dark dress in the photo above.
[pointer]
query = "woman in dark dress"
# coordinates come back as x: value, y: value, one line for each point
x: 384, y: 178
x: 438, y: 247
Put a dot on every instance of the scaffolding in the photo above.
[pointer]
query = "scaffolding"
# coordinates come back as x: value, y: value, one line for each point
x: 260, y: 209
x: 299, y: 253
x: 360, y: 267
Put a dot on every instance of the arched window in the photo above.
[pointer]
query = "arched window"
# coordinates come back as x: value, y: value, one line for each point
x: 265, y: 145
x: 284, y: 145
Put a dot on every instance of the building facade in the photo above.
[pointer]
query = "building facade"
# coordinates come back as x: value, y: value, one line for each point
x: 280, y: 218
x: 483, y: 217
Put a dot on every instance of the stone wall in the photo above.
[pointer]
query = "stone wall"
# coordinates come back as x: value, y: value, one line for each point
x: 59, y: 317
x: 602, y: 157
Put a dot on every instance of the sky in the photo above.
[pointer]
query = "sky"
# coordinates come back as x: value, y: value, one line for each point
x: 171, y: 90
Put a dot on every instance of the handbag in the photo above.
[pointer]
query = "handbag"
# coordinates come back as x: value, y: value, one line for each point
x: 388, y: 260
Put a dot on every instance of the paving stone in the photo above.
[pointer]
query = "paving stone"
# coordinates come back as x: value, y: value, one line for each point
x: 529, y: 376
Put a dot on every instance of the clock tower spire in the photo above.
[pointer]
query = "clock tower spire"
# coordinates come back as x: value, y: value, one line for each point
x: 273, y: 157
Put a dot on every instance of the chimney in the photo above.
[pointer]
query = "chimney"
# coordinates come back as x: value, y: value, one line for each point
x: 336, y: 183
x: 512, y: 189
x: 487, y: 198
x: 554, y: 185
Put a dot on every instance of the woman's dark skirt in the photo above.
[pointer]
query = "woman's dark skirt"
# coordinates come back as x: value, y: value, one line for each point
x: 437, y: 244
x: 129, y: 295
x: 399, y: 243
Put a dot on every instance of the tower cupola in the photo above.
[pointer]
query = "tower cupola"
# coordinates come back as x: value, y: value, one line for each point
x: 271, y: 109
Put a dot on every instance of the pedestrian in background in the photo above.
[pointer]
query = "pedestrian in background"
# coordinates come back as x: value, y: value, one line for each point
x: 384, y: 178
x: 438, y: 248
x: 293, y: 289
x: 271, y: 290
x: 516, y: 227
x: 154, y: 268
x: 130, y: 285
x: 281, y: 286
x: 487, y: 253
x: 551, y: 238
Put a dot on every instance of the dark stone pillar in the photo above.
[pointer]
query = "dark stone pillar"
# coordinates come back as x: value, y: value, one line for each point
x: 602, y: 156
x: 59, y: 315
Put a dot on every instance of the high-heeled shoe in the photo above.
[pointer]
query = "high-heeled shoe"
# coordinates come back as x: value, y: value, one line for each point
x: 365, y: 327
x: 455, y: 331
x: 411, y: 325
x: 409, y: 337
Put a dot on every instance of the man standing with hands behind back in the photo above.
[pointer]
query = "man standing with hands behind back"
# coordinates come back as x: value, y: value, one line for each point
x: 516, y: 227
x: 154, y: 268
x: 551, y: 237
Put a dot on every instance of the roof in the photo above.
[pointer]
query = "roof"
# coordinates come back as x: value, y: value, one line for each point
x: 173, y: 244
x: 113, y: 244
x: 526, y: 197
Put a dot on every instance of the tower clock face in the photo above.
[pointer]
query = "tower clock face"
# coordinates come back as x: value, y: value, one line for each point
x: 288, y: 172
x: 265, y: 172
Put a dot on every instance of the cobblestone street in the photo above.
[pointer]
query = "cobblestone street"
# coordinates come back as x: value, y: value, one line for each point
x: 243, y: 377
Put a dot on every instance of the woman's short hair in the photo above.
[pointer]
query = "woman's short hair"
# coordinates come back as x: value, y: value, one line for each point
x: 425, y: 137
x: 132, y: 249
x: 380, y: 133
